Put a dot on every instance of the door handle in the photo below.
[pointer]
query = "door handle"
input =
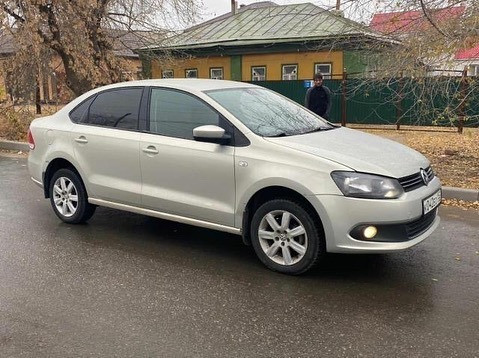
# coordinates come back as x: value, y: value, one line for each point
x: 150, y: 150
x: 81, y: 139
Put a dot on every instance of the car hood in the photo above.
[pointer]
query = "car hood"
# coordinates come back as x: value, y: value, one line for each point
x: 359, y: 151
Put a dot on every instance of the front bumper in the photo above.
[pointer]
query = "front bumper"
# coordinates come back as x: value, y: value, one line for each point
x: 340, y: 215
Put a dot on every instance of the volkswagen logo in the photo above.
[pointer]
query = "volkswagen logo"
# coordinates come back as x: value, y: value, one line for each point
x: 424, y: 177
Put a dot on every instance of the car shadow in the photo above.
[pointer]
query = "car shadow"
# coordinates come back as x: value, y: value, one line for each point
x: 220, y: 257
x: 149, y: 235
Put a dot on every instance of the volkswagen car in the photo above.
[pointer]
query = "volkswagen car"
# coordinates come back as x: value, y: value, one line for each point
x: 238, y: 158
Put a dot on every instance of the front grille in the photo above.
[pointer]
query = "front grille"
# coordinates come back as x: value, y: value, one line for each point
x: 415, y: 181
x: 416, y: 228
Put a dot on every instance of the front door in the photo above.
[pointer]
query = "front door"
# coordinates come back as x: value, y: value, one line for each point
x: 182, y: 176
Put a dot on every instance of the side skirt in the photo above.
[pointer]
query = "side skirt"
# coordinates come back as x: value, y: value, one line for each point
x: 165, y: 216
x: 39, y: 183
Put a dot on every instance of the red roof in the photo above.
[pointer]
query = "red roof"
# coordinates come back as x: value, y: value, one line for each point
x: 394, y: 22
x: 468, y: 54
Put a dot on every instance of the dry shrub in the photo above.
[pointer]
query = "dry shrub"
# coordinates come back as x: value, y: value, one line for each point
x: 14, y: 124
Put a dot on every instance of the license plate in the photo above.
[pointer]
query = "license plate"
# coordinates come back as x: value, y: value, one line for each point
x: 431, y: 202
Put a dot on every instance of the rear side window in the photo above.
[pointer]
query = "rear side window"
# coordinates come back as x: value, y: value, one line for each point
x: 176, y: 114
x: 80, y: 113
x: 117, y: 109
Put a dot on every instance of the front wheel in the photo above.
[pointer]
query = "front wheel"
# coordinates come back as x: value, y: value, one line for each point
x: 285, y: 237
x: 69, y: 198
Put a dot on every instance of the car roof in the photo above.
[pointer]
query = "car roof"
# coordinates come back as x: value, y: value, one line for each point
x: 188, y: 84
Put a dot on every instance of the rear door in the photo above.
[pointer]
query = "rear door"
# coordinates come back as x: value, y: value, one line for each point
x: 180, y: 175
x: 106, y: 143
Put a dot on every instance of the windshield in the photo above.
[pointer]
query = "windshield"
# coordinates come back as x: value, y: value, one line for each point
x: 268, y: 114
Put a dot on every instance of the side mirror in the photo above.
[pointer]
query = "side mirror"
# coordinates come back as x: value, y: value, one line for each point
x: 211, y: 134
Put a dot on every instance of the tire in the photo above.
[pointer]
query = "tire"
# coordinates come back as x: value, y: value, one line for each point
x: 298, y: 235
x: 68, y: 197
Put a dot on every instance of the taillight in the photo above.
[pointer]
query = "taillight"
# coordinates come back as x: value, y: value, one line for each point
x: 31, y: 141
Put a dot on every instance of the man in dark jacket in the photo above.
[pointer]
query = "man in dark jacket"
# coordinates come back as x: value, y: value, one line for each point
x: 318, y: 97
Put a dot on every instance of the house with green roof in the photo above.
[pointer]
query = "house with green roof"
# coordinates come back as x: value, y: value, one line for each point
x: 265, y: 41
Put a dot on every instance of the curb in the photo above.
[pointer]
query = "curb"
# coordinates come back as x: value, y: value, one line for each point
x: 447, y: 191
x: 460, y: 194
x: 11, y: 145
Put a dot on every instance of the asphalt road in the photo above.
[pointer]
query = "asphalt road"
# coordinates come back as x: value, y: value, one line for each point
x: 127, y: 285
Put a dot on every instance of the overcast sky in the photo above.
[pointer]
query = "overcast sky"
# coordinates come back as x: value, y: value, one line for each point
x: 212, y: 8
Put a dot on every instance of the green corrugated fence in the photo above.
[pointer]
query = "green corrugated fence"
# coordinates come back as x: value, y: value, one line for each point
x: 423, y: 101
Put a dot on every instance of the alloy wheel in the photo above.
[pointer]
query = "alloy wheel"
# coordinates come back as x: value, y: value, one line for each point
x: 282, y: 237
x: 65, y: 197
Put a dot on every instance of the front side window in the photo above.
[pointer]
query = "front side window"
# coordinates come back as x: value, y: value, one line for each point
x: 176, y: 114
x: 167, y: 74
x: 116, y: 108
x: 191, y: 73
x: 267, y: 113
x: 216, y: 73
x: 290, y: 72
x: 324, y: 68
x: 258, y: 73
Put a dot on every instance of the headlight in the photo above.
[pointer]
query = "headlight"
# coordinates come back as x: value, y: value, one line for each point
x: 369, y: 186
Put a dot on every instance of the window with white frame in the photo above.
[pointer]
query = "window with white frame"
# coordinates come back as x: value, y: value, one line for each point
x: 473, y: 70
x: 258, y: 73
x: 290, y: 72
x: 324, y: 68
x: 216, y: 73
x: 167, y: 74
x: 191, y: 73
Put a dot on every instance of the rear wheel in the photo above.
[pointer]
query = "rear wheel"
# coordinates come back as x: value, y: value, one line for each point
x: 285, y: 237
x: 68, y: 197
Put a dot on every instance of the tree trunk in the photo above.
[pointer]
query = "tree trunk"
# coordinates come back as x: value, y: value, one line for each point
x: 38, y: 106
x: 74, y: 80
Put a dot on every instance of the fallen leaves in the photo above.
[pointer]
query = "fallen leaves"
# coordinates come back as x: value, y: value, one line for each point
x: 461, y: 204
x: 13, y: 153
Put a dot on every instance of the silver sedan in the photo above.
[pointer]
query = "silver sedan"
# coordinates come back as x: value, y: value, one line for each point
x: 234, y: 157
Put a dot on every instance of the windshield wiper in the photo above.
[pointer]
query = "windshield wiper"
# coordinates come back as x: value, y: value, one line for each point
x: 281, y: 134
x: 320, y: 129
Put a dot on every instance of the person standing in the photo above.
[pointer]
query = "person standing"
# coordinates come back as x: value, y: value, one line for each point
x: 318, y: 97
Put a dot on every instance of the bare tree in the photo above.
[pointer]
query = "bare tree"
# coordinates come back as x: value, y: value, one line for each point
x: 79, y: 32
x: 420, y: 74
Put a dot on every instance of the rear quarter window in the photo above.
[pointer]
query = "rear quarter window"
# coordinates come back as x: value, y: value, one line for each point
x: 80, y: 113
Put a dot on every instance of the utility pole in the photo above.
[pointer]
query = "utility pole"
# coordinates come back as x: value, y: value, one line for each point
x: 338, y: 5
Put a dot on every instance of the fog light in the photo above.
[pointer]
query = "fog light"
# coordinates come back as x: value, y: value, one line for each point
x: 370, y: 232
